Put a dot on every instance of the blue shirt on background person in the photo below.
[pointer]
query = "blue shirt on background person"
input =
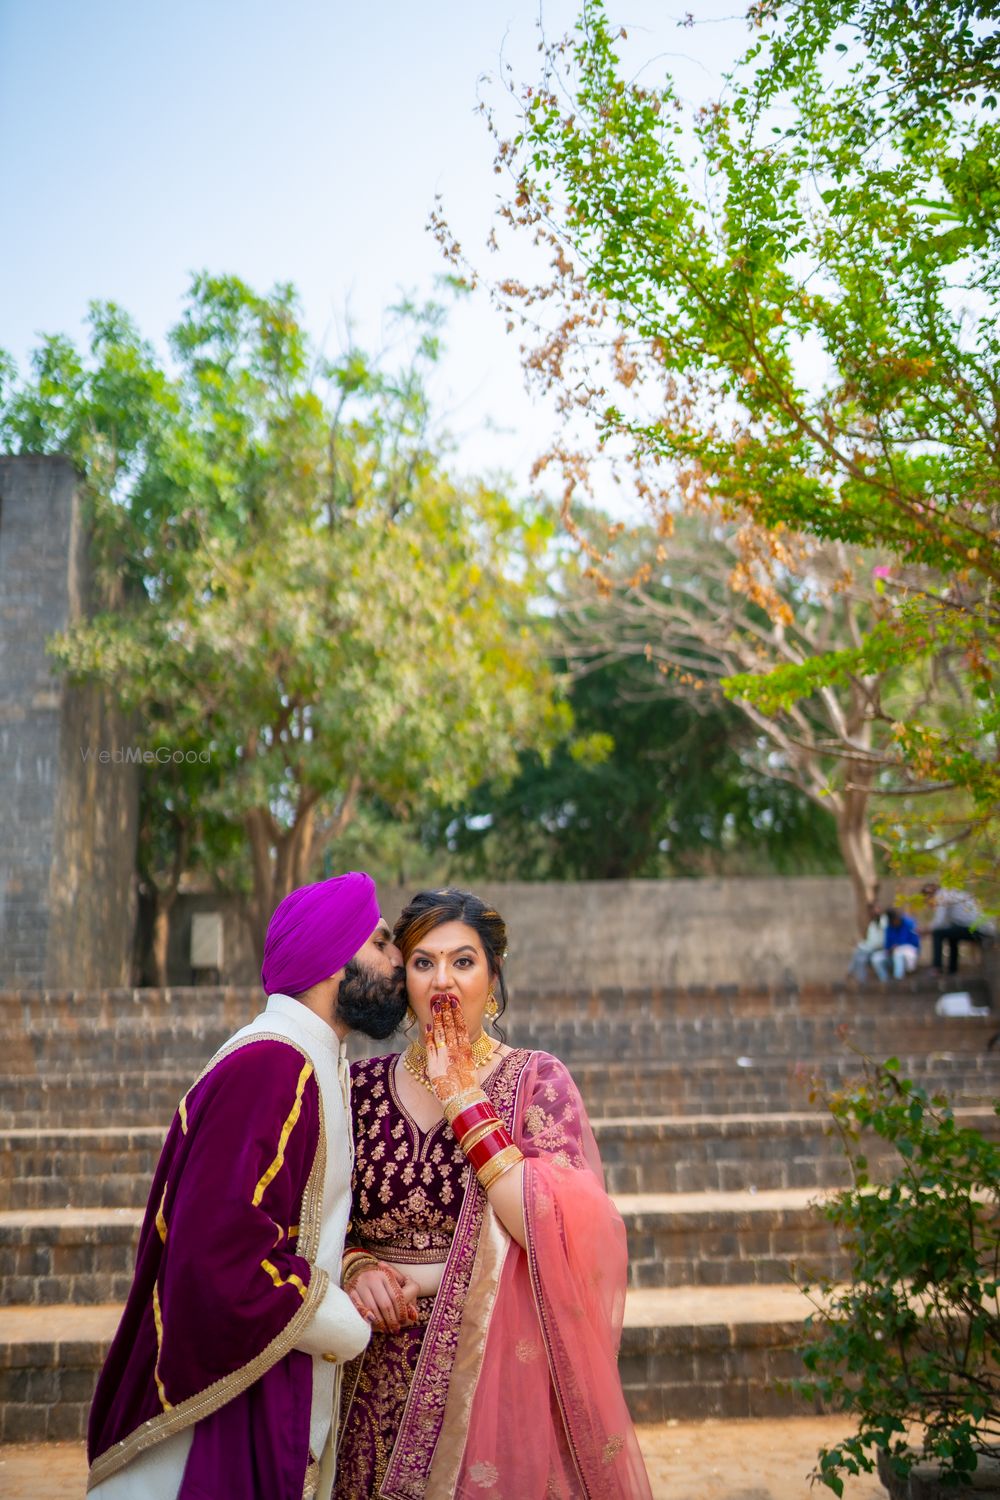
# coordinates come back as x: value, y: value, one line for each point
x: 901, y: 932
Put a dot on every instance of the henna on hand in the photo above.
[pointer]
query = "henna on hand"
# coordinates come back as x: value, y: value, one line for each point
x: 450, y: 1064
x: 384, y: 1299
x: 403, y: 1294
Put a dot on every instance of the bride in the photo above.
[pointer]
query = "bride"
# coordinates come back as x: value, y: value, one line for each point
x: 484, y: 1251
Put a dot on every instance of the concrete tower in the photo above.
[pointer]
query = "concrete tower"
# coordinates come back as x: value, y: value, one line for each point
x: 68, y: 819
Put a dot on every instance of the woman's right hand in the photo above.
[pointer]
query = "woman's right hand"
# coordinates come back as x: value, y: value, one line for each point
x: 451, y: 1067
x: 384, y: 1299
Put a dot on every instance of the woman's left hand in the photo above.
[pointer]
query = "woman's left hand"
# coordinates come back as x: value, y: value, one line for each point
x: 451, y: 1067
x: 384, y: 1298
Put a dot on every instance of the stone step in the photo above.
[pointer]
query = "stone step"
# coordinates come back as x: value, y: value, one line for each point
x: 712, y: 1085
x: 49, y: 1361
x: 712, y: 1351
x: 113, y: 1166
x: 685, y: 1352
x: 237, y: 1004
x: 133, y: 1043
x: 71, y: 1255
x: 769, y: 1085
x: 729, y: 1239
x: 86, y: 1255
x: 735, y: 1153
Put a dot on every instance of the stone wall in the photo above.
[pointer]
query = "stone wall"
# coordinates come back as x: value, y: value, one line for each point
x: 629, y: 934
x: 67, y: 823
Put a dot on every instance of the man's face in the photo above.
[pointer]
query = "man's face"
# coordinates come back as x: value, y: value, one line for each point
x: 372, y: 995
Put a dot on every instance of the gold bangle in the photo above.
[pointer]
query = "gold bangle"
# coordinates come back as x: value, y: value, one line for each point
x: 498, y: 1165
x: 357, y: 1264
x: 458, y: 1102
x: 479, y: 1132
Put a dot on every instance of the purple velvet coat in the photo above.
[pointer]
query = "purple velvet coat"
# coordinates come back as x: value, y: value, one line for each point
x: 224, y: 1285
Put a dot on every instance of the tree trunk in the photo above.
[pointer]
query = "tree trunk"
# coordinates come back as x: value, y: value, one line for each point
x: 164, y: 897
x: 853, y: 823
x: 858, y: 850
x: 160, y: 940
x: 283, y: 859
x: 280, y: 862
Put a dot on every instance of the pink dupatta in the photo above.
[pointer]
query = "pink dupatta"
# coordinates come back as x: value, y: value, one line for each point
x: 533, y: 1407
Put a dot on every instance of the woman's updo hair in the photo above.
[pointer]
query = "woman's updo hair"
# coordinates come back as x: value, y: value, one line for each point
x: 429, y: 909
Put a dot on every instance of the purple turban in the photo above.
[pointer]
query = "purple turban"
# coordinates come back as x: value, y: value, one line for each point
x: 316, y: 930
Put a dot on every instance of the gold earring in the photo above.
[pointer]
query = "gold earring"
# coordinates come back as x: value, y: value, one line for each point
x: 492, y: 1008
x: 411, y: 1017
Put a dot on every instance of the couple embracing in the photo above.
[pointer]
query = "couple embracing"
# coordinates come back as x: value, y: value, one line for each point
x: 400, y: 1280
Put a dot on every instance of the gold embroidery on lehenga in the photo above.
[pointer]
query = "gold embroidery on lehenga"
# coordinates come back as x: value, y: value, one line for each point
x: 527, y: 1351
x: 418, y: 1160
x: 401, y: 1384
x: 484, y: 1474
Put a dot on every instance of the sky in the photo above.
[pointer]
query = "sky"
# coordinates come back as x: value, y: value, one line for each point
x: 141, y: 140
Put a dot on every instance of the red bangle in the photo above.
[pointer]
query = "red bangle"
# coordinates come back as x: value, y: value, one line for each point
x: 491, y: 1145
x: 479, y: 1113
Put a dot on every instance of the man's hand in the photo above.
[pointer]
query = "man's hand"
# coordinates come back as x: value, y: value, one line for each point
x: 384, y: 1298
x: 451, y: 1067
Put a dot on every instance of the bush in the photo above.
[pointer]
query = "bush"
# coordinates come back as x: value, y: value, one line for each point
x: 912, y: 1343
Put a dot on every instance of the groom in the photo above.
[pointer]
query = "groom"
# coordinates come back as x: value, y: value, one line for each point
x: 224, y: 1372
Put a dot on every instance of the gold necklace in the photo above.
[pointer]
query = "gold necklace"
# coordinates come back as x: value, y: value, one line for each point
x: 415, y: 1058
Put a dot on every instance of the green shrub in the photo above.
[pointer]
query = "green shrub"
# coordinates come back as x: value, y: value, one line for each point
x: 911, y: 1346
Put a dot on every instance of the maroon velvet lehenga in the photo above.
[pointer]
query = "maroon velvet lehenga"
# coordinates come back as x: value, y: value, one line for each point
x: 408, y: 1189
x: 507, y: 1386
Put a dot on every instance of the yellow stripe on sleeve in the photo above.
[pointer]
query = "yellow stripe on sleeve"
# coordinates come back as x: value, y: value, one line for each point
x: 158, y: 1320
x: 280, y: 1280
x: 286, y: 1131
x: 182, y: 1110
x: 161, y: 1223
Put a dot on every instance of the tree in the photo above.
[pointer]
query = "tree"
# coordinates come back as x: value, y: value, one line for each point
x: 645, y: 786
x: 695, y: 631
x: 784, y: 316
x: 305, y: 592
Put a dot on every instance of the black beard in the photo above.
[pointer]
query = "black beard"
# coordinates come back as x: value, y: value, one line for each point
x: 371, y: 1003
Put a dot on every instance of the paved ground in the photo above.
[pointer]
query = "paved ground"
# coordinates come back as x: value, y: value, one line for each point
x: 763, y: 1460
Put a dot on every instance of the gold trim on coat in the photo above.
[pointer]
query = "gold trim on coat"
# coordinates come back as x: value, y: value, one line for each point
x: 205, y: 1402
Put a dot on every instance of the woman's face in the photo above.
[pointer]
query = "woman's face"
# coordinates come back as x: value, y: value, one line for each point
x: 449, y: 960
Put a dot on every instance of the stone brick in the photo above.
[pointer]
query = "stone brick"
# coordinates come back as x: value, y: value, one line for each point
x: 76, y: 1385
x: 22, y: 1423
x: 66, y: 1421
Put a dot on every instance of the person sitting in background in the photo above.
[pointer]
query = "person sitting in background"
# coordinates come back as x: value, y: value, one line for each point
x: 956, y: 919
x: 871, y: 946
x: 902, y: 946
